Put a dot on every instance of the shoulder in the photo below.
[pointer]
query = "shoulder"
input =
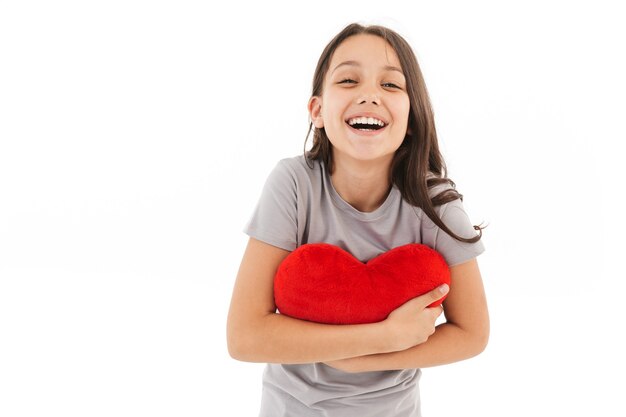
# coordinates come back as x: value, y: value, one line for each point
x: 447, y: 201
x: 299, y: 164
x: 452, y: 212
x: 297, y: 169
x: 441, y: 189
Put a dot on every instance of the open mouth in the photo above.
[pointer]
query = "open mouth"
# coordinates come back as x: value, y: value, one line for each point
x: 367, y: 124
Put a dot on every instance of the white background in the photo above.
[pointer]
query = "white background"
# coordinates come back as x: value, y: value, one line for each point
x: 135, y: 138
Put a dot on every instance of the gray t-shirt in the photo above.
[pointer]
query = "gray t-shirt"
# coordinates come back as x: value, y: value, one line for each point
x: 299, y: 205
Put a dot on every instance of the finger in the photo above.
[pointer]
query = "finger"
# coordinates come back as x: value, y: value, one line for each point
x: 435, y: 294
x: 437, y: 310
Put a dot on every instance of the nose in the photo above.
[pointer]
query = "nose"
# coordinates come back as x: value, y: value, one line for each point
x: 368, y: 94
x: 368, y: 98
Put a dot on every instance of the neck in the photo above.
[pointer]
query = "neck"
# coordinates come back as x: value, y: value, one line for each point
x: 364, y: 185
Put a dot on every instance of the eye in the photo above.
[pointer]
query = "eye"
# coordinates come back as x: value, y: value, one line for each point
x: 391, y: 85
x: 347, y: 81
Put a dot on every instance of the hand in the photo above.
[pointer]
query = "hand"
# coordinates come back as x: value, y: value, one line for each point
x: 413, y: 322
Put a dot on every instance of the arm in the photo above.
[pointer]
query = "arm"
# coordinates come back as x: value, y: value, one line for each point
x: 256, y: 333
x: 464, y: 335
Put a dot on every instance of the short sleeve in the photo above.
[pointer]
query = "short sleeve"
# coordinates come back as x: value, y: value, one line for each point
x: 454, y: 217
x: 274, y: 219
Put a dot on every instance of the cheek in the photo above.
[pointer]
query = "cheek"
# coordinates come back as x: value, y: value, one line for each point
x: 401, y: 111
x: 332, y: 110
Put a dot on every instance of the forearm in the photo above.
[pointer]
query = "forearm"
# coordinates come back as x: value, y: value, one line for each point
x: 464, y: 335
x: 276, y: 338
x: 450, y: 343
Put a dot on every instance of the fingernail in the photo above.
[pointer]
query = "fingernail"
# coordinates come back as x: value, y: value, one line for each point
x: 444, y: 288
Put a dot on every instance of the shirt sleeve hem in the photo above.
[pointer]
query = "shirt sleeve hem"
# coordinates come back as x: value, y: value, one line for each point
x: 458, y: 260
x: 270, y: 239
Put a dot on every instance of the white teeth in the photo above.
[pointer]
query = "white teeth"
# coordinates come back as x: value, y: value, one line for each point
x: 365, y: 121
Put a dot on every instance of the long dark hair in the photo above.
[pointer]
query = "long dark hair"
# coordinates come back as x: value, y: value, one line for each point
x: 417, y: 165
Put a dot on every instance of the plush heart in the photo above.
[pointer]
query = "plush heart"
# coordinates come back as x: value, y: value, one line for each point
x: 323, y: 283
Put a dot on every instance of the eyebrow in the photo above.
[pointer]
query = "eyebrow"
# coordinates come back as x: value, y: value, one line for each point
x: 358, y: 64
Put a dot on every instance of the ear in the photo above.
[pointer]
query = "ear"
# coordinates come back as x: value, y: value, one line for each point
x: 315, y: 111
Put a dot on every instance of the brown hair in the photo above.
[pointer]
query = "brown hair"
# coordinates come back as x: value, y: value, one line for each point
x: 417, y: 165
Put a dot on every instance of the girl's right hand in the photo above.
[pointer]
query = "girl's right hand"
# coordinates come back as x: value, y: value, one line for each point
x: 413, y: 322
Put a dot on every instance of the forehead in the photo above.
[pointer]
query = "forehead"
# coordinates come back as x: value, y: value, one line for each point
x: 365, y: 49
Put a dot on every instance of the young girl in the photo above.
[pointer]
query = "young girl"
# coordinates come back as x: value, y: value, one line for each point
x: 373, y: 180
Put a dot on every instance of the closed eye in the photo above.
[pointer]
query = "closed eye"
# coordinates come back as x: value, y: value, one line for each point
x: 347, y: 81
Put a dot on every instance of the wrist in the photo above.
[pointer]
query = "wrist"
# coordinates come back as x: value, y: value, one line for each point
x: 385, y: 339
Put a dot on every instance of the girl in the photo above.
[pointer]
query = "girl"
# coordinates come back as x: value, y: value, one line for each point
x: 373, y: 180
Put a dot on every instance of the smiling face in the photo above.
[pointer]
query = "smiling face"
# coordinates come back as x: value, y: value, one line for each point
x: 364, y: 106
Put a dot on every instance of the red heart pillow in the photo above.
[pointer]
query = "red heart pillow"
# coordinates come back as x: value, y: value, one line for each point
x: 323, y: 283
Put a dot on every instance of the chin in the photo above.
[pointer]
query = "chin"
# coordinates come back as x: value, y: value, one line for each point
x: 369, y: 156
